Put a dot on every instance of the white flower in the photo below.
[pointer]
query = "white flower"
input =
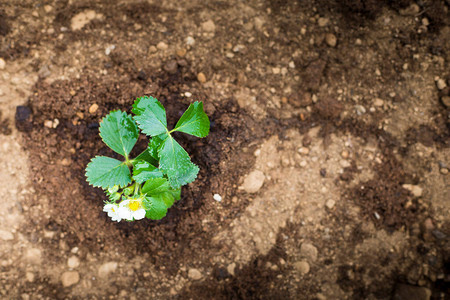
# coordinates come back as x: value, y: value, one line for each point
x: 131, y: 209
x: 113, y: 211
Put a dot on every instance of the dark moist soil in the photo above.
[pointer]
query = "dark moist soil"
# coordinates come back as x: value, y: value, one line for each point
x: 58, y: 157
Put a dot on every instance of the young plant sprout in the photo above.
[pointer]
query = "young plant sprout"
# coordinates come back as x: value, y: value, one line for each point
x: 150, y: 183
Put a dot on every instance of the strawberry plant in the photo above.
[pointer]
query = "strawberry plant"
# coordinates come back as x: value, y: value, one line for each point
x: 149, y: 184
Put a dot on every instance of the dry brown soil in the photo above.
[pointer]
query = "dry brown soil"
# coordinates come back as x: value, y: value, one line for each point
x: 341, y: 108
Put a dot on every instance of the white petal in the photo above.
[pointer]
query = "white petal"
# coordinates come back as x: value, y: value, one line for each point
x: 124, y: 203
x: 116, y: 218
x: 139, y: 214
x: 108, y: 207
x: 125, y: 213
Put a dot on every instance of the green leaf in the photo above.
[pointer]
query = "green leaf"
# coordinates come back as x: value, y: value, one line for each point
x: 194, y: 121
x: 144, y: 171
x: 154, y: 144
x: 147, y: 156
x: 150, y: 115
x: 176, y: 163
x: 155, y: 186
x: 119, y: 131
x: 176, y: 194
x: 155, y: 208
x: 169, y: 196
x: 106, y: 172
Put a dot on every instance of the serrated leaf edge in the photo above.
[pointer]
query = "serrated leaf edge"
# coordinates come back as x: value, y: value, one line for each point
x: 86, y: 171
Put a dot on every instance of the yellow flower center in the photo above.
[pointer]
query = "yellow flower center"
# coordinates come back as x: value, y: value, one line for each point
x: 134, y: 205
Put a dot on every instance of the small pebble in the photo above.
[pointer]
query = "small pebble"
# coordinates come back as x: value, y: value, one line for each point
x: 209, y: 26
x: 378, y: 102
x: 360, y: 110
x: 190, y: 41
x: 181, y: 52
x: 302, y: 267
x: 411, y: 10
x: 345, y: 154
x: 194, y: 274
x: 446, y: 101
x: 303, y: 150
x: 231, y: 267
x: 73, y: 262
x: 444, y: 171
x: 48, y: 123
x: 109, y: 49
x: 30, y: 276
x: 322, y: 22
x: 253, y: 181
x: 188, y: 94
x: 107, y: 269
x: 440, y: 83
x: 201, y: 77
x: 331, y: 39
x: 309, y: 251
x: 6, y: 235
x: 55, y: 123
x: 414, y: 189
x: 70, y: 278
x: 217, y: 197
x: 330, y: 203
x: 162, y: 46
x: 93, y: 108
x: 2, y: 64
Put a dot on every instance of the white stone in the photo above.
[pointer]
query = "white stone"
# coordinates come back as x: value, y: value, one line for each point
x: 190, y: 41
x: 109, y: 49
x: 253, y: 181
x: 217, y: 197
x: 73, y: 262
x: 48, y: 123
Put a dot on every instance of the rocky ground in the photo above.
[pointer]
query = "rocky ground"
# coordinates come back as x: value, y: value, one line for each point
x: 325, y: 175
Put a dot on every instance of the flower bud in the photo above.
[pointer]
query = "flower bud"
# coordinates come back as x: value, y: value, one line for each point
x: 113, y: 189
x: 115, y: 196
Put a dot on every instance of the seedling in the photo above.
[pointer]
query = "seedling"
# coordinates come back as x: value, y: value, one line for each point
x: 150, y: 183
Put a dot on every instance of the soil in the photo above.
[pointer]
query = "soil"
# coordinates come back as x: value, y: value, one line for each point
x: 339, y: 104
